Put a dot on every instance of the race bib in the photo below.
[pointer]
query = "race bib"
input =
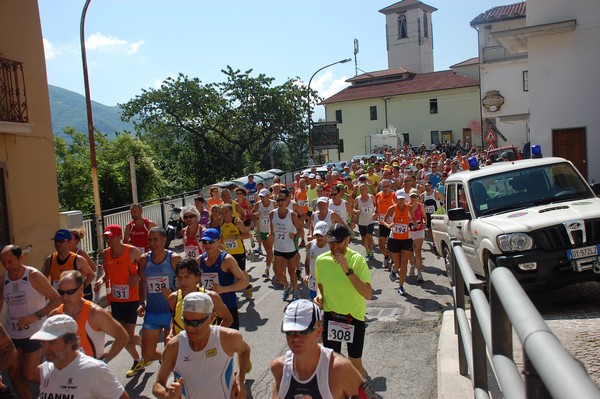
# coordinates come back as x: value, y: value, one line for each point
x: 367, y: 210
x: 340, y: 332
x: 266, y: 222
x: 208, y: 279
x: 157, y: 283
x: 301, y: 202
x: 231, y: 243
x: 400, y: 228
x: 280, y: 236
x: 191, y: 251
x: 120, y: 291
x: 429, y: 209
x: 382, y: 217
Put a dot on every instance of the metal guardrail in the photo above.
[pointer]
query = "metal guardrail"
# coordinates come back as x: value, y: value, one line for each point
x: 549, y: 369
x: 499, y: 54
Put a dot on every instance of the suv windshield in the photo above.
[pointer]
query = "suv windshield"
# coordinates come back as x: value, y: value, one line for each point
x: 505, y: 192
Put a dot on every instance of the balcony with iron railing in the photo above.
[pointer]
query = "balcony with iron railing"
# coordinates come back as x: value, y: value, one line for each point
x: 13, y: 100
x: 499, y: 54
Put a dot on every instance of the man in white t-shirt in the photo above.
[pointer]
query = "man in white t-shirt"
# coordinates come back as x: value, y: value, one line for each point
x: 67, y: 372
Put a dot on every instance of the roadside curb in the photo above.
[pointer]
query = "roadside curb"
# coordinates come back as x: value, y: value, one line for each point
x: 450, y: 383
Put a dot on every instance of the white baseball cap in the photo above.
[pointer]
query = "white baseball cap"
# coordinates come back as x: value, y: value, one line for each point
x: 400, y: 194
x: 263, y: 193
x: 198, y: 302
x: 300, y: 315
x: 323, y: 200
x: 55, y: 327
x: 321, y: 228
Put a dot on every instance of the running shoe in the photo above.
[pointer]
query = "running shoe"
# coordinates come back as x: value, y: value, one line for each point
x: 295, y: 295
x: 401, y: 290
x: 393, y: 275
x: 386, y: 262
x: 248, y: 292
x: 138, y: 366
x: 302, y: 244
x: 420, y: 277
x: 266, y: 273
x: 413, y: 271
x: 258, y: 251
x: 286, y: 292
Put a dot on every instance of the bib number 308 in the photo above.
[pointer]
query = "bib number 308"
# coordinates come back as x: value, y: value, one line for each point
x: 340, y: 332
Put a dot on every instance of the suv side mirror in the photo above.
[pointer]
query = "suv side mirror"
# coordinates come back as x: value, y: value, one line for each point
x: 458, y: 214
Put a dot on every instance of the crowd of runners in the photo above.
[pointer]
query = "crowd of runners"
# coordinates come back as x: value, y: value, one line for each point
x: 302, y: 229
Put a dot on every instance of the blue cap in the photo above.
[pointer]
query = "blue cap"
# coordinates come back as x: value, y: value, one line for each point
x: 211, y: 234
x: 62, y: 234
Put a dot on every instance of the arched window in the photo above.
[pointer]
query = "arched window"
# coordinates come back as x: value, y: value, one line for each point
x: 402, y: 27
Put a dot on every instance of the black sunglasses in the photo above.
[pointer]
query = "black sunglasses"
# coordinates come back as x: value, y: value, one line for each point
x: 194, y: 323
x: 280, y: 199
x: 208, y: 241
x: 67, y: 292
x: 302, y: 333
x: 189, y: 216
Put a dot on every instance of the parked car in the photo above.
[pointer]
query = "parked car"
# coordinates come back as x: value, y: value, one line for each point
x: 321, y: 170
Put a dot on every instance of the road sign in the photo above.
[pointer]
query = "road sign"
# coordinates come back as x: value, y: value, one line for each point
x: 491, y: 147
x: 491, y: 137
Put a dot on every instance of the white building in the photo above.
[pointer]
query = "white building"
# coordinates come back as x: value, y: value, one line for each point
x: 420, y: 105
x: 503, y: 77
x: 561, y: 39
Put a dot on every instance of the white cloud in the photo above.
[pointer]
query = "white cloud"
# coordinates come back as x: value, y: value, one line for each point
x: 98, y: 41
x: 158, y: 82
x: 49, y: 50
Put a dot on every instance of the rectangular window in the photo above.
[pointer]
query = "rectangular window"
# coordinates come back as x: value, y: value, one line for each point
x: 425, y: 25
x: 338, y: 115
x: 433, y: 106
x: 341, y: 147
x: 373, y: 112
x: 525, y: 80
x: 402, y: 27
x: 435, y: 137
x: 406, y: 138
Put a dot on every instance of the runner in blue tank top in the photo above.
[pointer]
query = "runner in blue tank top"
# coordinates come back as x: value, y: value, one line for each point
x: 221, y: 273
x: 157, y: 280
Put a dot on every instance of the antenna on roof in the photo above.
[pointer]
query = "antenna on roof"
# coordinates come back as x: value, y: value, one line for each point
x: 355, y: 52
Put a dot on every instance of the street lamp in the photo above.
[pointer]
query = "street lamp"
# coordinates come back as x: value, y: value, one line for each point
x: 310, y: 144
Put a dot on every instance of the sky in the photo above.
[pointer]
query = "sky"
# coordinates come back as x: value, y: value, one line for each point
x: 135, y: 44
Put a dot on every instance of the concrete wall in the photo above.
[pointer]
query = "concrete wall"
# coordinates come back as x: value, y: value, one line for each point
x: 564, y: 78
x: 27, y: 151
x: 457, y: 108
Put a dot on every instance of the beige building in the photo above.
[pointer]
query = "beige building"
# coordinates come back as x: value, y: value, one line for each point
x: 29, y: 210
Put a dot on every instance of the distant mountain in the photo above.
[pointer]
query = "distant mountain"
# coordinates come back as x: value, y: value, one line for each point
x: 68, y: 109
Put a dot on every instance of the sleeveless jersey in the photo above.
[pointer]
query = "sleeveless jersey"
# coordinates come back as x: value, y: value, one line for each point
x: 263, y: 216
x: 234, y: 205
x: 118, y: 271
x: 313, y: 253
x: 139, y: 235
x: 401, y: 219
x: 430, y: 202
x: 245, y: 210
x: 22, y: 300
x: 435, y: 178
x: 204, y: 218
x: 87, y: 289
x: 311, y: 195
x: 215, y: 273
x: 191, y: 245
x: 207, y: 373
x: 212, y: 201
x: 178, y: 325
x: 158, y: 277
x: 282, y: 229
x: 251, y: 187
x: 233, y: 246
x: 419, y: 218
x: 326, y: 220
x: 302, y: 199
x: 316, y: 386
x: 57, y: 267
x: 91, y: 341
x: 339, y: 209
x: 366, y: 208
x: 383, y: 204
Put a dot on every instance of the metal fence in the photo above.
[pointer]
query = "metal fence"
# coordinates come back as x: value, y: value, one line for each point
x: 549, y: 369
x: 499, y: 54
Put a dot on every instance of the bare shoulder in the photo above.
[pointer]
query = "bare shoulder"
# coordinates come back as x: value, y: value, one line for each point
x: 343, y: 372
x: 277, y: 367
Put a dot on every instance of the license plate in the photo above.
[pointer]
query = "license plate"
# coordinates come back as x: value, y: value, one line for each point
x: 584, y: 252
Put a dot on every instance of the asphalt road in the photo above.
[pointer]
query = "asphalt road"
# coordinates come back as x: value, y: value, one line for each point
x: 400, y: 345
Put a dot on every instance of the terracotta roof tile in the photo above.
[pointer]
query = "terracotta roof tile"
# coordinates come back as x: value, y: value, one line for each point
x: 418, y: 83
x: 380, y: 74
x: 501, y: 13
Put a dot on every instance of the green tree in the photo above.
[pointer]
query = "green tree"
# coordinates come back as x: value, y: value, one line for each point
x: 74, y: 171
x: 222, y: 130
